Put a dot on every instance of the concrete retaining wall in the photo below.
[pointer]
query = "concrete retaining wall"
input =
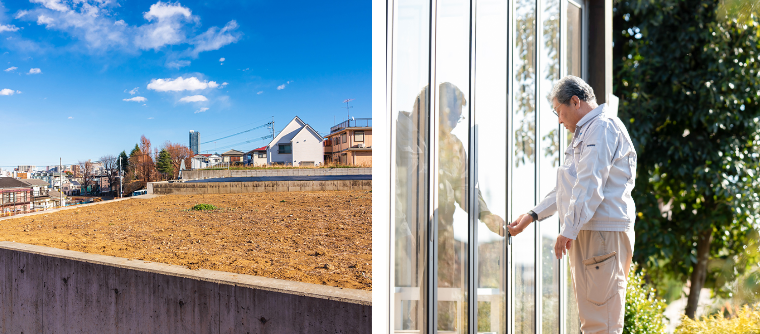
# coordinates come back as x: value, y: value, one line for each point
x: 180, y: 188
x: 48, y: 290
x: 216, y: 174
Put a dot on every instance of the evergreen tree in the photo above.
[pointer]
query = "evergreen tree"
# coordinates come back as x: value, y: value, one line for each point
x: 164, y: 164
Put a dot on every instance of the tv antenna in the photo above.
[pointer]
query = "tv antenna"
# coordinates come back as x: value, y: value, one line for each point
x: 346, y: 101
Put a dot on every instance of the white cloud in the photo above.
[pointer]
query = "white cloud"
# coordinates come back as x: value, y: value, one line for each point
x: 178, y: 64
x: 215, y: 38
x: 162, y: 10
x: 52, y: 4
x: 180, y: 84
x: 20, y: 14
x: 194, y: 98
x: 42, y: 19
x: 7, y: 91
x: 221, y: 59
x: 120, y: 23
x: 281, y: 87
x: 224, y: 84
x: 136, y: 99
x: 134, y: 91
x: 260, y: 92
x: 11, y: 28
x: 150, y: 117
x: 11, y: 68
x: 35, y: 71
x: 18, y: 92
x: 71, y: 117
x: 201, y: 110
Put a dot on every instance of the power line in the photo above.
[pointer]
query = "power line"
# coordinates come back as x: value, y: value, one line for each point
x: 249, y: 130
x: 241, y: 143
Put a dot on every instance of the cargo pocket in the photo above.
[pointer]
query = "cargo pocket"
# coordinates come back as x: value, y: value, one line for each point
x: 600, y: 277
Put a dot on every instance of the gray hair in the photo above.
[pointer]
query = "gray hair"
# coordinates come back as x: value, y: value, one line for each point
x: 570, y: 86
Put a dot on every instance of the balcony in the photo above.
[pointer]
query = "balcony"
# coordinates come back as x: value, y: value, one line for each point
x: 352, y: 123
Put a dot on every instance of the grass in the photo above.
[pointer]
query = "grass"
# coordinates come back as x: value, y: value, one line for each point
x: 204, y: 207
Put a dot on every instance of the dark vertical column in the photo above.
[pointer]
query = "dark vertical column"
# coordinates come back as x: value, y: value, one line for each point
x: 600, y: 48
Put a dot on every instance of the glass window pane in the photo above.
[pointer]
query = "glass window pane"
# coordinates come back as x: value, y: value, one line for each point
x: 549, y: 135
x: 410, y: 112
x: 574, y: 19
x: 491, y: 120
x: 452, y: 81
x: 574, y: 61
x: 523, y: 171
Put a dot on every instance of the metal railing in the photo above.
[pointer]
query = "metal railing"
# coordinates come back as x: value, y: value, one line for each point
x: 353, y: 123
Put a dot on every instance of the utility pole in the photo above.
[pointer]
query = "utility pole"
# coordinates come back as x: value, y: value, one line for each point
x: 60, y: 181
x: 120, y: 177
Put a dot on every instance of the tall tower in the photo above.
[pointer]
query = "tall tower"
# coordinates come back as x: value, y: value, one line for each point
x: 195, y: 141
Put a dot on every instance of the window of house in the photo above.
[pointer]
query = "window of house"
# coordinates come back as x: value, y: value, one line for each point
x: 262, y: 154
x: 285, y: 149
x: 359, y: 136
x: 343, y: 137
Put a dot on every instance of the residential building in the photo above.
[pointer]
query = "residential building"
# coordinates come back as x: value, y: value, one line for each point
x: 469, y: 138
x: 15, y: 196
x: 199, y: 161
x: 43, y: 197
x: 25, y: 169
x: 195, y: 141
x: 256, y: 157
x: 233, y: 156
x: 350, y: 143
x: 298, y: 144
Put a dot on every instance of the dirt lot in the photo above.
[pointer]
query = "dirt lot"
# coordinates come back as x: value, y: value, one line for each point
x: 314, y: 237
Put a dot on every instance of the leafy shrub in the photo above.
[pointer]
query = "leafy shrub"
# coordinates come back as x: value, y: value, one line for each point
x: 204, y: 207
x: 643, y: 311
x: 745, y: 321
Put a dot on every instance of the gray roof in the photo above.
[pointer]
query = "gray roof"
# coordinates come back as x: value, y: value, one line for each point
x: 9, y: 182
x: 35, y: 182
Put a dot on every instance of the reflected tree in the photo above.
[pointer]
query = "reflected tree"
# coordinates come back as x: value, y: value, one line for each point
x: 525, y: 85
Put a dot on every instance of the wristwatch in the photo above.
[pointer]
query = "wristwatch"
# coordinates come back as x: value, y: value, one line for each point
x: 533, y: 214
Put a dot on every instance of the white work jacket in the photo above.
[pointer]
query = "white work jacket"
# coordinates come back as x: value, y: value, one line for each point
x: 594, y: 183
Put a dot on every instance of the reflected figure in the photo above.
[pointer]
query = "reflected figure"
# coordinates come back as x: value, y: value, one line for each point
x: 411, y: 212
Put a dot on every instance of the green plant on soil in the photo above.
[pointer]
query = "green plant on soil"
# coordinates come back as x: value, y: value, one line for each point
x: 204, y: 207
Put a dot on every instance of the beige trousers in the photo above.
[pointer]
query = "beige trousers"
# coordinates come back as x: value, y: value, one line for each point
x: 599, y: 263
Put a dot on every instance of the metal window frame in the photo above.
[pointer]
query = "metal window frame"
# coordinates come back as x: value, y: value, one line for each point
x: 472, y: 261
x: 390, y: 20
x: 432, y: 254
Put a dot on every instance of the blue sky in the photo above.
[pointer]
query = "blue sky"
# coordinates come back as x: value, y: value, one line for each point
x: 80, y: 79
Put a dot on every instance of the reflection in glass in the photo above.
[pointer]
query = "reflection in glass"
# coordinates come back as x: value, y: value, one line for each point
x: 523, y: 172
x: 491, y: 140
x: 549, y: 132
x: 453, y: 75
x: 411, y: 126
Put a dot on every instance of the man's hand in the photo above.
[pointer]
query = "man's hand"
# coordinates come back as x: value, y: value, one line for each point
x: 519, y: 224
x: 494, y: 223
x: 562, y: 245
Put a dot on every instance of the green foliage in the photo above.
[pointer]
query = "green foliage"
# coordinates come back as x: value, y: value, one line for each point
x: 124, y: 161
x: 745, y: 321
x: 164, y: 164
x: 643, y: 311
x: 204, y: 207
x: 688, y: 87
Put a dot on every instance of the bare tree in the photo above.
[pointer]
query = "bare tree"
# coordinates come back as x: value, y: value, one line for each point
x: 111, y: 167
x: 146, y: 164
x: 86, y: 173
x: 178, y: 153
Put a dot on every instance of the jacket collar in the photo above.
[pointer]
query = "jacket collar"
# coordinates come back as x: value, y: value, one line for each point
x: 591, y: 115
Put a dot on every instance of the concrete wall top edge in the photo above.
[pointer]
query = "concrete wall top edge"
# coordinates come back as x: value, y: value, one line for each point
x: 256, y: 282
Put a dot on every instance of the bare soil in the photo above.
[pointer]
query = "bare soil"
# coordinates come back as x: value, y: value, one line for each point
x: 313, y: 237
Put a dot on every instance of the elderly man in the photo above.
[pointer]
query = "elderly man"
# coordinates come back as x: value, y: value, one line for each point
x: 593, y: 198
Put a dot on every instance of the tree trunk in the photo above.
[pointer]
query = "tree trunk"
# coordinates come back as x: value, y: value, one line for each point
x: 699, y: 272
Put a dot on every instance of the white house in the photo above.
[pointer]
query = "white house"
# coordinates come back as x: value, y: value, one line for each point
x: 298, y: 144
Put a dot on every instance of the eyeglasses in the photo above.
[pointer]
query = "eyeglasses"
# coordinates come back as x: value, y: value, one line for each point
x: 555, y: 112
